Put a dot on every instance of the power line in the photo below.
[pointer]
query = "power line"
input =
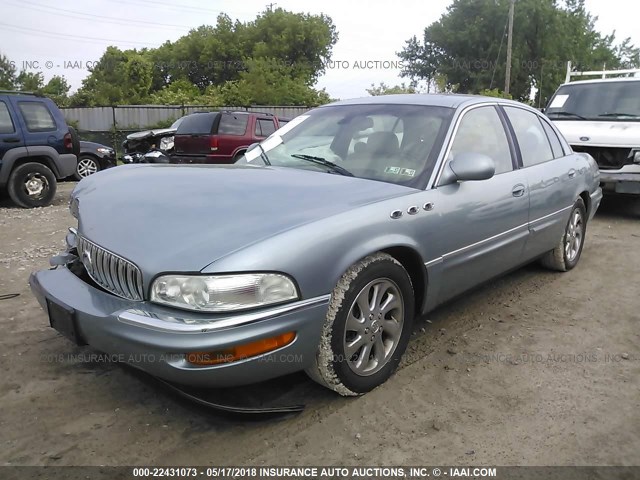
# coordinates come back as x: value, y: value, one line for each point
x: 172, y: 6
x: 64, y: 36
x: 495, y: 66
x: 84, y: 16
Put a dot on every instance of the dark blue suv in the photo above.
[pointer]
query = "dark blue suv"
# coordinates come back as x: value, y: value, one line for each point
x: 37, y: 148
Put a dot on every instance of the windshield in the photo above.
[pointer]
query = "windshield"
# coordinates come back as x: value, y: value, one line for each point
x: 390, y: 143
x: 605, y: 101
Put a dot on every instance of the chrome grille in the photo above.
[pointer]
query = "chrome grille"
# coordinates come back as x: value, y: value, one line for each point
x: 110, y: 271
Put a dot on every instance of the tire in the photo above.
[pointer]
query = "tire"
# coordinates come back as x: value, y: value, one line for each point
x: 75, y: 142
x: 87, y: 165
x: 567, y: 252
x: 359, y: 370
x: 32, y: 185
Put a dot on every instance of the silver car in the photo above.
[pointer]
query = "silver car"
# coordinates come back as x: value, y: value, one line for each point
x: 318, y: 250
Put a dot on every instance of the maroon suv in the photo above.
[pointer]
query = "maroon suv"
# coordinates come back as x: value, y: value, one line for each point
x: 221, y: 137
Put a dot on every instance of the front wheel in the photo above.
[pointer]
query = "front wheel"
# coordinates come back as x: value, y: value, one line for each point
x: 86, y: 166
x: 367, y: 327
x: 567, y: 252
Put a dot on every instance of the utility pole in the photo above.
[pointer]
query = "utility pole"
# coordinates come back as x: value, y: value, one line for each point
x: 507, y: 77
x: 270, y: 6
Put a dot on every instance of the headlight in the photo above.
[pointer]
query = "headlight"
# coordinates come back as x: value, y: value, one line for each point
x: 74, y: 206
x: 166, y: 143
x: 223, y: 293
x: 105, y: 151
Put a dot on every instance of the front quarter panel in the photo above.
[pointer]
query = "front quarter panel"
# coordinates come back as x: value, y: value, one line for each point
x: 317, y: 254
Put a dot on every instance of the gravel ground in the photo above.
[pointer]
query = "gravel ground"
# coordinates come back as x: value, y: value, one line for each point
x: 535, y: 368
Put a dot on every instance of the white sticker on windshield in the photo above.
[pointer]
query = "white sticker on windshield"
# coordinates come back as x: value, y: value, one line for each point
x: 288, y: 126
x: 271, y: 142
x: 408, y: 172
x: 559, y: 101
x: 252, y: 154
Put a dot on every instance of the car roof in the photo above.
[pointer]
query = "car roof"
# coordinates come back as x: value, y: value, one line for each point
x: 450, y: 100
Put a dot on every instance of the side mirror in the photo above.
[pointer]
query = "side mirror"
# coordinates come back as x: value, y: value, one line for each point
x: 470, y: 166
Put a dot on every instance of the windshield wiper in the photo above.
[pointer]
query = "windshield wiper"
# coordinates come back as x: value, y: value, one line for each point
x: 321, y: 161
x: 567, y: 114
x: 618, y: 114
x: 263, y: 155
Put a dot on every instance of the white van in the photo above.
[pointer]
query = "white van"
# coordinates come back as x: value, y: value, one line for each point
x: 602, y: 117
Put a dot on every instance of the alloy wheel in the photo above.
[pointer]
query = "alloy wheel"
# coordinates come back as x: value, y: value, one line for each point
x: 573, y: 237
x: 374, y: 327
x: 86, y: 167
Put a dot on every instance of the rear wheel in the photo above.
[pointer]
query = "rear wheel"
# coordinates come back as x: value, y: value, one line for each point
x: 238, y: 156
x: 32, y: 185
x: 367, y: 327
x: 566, y: 254
x: 86, y: 166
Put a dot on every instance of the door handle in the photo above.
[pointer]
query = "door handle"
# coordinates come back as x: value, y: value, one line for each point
x: 11, y: 140
x: 572, y: 173
x: 517, y: 190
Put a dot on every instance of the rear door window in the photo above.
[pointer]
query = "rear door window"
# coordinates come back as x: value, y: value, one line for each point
x: 556, y: 146
x: 196, y: 124
x: 532, y: 139
x: 231, y: 124
x: 264, y: 127
x: 37, y: 117
x: 6, y: 124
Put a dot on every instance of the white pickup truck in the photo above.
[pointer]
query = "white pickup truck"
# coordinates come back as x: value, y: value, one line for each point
x: 602, y: 117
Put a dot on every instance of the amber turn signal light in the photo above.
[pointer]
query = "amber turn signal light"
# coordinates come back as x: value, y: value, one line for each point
x: 240, y: 352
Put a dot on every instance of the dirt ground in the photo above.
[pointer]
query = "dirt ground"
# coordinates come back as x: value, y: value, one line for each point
x: 536, y: 368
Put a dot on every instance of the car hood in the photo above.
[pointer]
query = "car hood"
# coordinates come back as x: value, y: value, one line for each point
x: 182, y: 218
x: 600, y: 134
x: 150, y: 133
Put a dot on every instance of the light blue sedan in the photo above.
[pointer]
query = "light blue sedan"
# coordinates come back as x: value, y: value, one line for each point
x: 318, y: 250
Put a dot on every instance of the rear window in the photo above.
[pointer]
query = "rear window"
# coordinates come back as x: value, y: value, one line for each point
x: 197, y: 124
x: 233, y: 124
x: 6, y: 124
x: 37, y: 116
x: 264, y: 127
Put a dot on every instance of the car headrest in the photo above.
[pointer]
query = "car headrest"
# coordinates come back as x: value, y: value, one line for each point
x: 383, y: 142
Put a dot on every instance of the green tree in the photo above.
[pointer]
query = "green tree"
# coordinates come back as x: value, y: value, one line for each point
x: 183, y: 92
x: 119, y: 77
x: 7, y: 73
x: 268, y: 82
x: 290, y: 47
x: 57, y: 89
x: 302, y: 42
x: 383, y: 89
x: 29, y: 81
x: 465, y: 50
